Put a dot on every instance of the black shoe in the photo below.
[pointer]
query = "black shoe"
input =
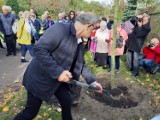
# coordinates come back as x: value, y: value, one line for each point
x: 2, y: 47
x: 130, y: 69
x: 24, y: 60
x: 14, y: 54
x: 75, y: 102
x: 8, y: 54
x: 104, y: 67
x: 135, y: 74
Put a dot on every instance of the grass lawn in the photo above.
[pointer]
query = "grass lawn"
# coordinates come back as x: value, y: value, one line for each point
x: 14, y: 102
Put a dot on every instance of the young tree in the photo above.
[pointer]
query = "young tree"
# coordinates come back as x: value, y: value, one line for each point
x: 116, y: 10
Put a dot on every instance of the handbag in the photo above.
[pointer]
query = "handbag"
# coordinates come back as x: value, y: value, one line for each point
x: 119, y: 40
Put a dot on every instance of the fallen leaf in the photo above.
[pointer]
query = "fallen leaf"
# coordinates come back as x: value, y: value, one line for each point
x: 45, y: 114
x: 59, y: 109
x: 49, y: 109
x: 8, y: 85
x: 5, y: 109
x: 140, y: 118
x: 39, y: 117
x: 16, y: 81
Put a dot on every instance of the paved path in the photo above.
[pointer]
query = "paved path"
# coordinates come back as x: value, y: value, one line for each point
x: 11, y: 69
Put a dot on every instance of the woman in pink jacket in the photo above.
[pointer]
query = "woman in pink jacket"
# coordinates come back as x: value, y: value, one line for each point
x: 118, y: 51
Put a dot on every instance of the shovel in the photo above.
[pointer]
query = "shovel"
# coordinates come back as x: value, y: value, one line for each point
x: 114, y: 92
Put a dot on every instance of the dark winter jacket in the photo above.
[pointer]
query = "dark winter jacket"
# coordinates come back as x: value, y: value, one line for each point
x: 7, y: 22
x: 54, y: 53
x: 137, y: 37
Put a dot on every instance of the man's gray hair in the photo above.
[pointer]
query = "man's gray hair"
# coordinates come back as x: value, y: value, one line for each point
x: 87, y: 18
x: 7, y: 7
x: 146, y: 15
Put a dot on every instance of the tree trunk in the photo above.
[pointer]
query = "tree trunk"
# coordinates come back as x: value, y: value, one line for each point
x: 116, y: 10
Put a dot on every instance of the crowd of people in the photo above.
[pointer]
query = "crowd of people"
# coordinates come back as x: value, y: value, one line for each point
x: 57, y: 49
x: 26, y: 29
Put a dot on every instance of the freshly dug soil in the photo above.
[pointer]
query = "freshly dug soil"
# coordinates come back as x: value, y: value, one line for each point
x: 134, y: 103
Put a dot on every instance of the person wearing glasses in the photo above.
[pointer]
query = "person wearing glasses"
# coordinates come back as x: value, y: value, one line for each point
x: 58, y: 58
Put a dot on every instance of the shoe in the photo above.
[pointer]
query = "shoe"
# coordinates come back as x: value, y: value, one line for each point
x: 24, y: 60
x: 2, y: 47
x: 75, y: 102
x: 130, y: 69
x: 116, y: 70
x: 8, y: 54
x: 104, y: 67
x: 135, y: 74
x: 14, y: 54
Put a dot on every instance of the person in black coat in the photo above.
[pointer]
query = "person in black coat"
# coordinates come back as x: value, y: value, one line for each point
x: 136, y: 41
x: 72, y: 17
x: 110, y: 22
x: 37, y: 26
x: 58, y: 58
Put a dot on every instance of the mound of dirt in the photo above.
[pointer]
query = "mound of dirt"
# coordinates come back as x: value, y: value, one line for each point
x: 133, y: 105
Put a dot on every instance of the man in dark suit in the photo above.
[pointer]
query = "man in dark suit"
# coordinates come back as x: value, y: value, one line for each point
x: 136, y: 41
x: 58, y: 57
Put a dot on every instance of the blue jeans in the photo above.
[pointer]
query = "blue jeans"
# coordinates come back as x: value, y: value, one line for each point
x: 117, y: 62
x: 146, y: 63
x: 25, y: 48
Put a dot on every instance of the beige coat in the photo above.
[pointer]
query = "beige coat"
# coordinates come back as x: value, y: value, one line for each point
x: 102, y: 45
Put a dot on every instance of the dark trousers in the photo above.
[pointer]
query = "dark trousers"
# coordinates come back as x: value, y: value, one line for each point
x: 33, y: 105
x: 1, y: 45
x: 117, y: 62
x: 133, y: 61
x: 25, y: 48
x: 10, y: 43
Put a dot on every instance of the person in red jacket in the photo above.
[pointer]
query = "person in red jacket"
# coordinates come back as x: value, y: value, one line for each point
x: 152, y: 55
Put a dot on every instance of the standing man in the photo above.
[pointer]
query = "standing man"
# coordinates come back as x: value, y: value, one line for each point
x: 7, y: 19
x: 58, y: 57
x: 136, y: 41
x: 111, y: 21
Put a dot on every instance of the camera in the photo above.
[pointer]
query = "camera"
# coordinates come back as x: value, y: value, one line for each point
x: 140, y: 19
x: 151, y: 45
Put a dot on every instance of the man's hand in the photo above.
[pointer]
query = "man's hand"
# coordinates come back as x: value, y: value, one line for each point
x: 152, y: 48
x: 139, y: 24
x: 98, y: 85
x: 65, y: 76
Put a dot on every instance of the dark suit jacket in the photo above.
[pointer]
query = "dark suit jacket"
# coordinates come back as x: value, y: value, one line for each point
x: 137, y: 37
x: 54, y: 53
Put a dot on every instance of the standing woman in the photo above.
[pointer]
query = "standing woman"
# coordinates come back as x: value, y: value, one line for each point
x: 24, y: 35
x: 118, y: 51
x: 44, y: 25
x: 72, y: 16
x: 102, y: 38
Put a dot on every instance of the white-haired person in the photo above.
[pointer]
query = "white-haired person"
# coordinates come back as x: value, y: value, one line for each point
x: 61, y: 18
x: 102, y: 39
x: 7, y: 20
x: 152, y: 55
x: 58, y: 58
x: 24, y: 35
